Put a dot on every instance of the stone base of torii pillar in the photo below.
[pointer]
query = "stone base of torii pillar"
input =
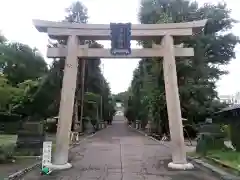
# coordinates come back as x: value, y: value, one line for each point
x: 58, y: 167
x: 180, y: 166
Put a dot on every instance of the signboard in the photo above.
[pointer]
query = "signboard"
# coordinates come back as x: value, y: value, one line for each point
x: 47, y: 153
x: 120, y: 38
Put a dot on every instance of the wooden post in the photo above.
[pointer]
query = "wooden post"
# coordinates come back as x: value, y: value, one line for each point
x: 173, y: 106
x: 66, y: 104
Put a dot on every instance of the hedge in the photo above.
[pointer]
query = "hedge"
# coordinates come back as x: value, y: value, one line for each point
x: 9, y: 123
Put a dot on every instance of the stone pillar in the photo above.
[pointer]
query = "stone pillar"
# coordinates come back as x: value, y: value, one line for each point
x: 83, y: 67
x: 103, y: 124
x: 66, y: 105
x: 173, y: 106
x: 137, y: 124
x: 149, y: 127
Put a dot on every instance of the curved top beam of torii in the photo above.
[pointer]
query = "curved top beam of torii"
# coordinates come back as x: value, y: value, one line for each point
x: 102, y: 31
x: 42, y: 25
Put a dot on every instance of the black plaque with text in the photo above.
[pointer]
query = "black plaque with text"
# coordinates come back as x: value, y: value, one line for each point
x: 120, y: 38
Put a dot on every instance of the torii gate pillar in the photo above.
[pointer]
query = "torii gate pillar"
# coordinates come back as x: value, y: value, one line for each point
x: 179, y: 160
x: 66, y: 105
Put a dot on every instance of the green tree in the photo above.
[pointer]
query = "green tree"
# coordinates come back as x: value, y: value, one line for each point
x: 94, y: 81
x: 46, y: 97
x: 19, y: 62
x: 2, y: 39
x: 77, y: 13
x: 6, y: 92
x: 21, y: 69
x: 197, y: 76
x: 121, y: 97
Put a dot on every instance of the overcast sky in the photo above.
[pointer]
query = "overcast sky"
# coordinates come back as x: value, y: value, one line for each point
x: 16, y: 24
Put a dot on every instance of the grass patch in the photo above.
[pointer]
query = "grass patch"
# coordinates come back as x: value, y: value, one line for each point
x: 9, y: 153
x: 225, y: 159
x: 228, y: 157
x: 7, y: 139
x: 193, y: 154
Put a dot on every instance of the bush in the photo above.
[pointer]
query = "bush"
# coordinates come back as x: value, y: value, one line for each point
x: 235, y: 134
x: 9, y: 152
x: 207, y: 142
x: 129, y: 114
x: 9, y: 127
x: 50, y: 127
x: 6, y: 153
x: 189, y: 131
x: 9, y: 123
x: 227, y: 131
x: 5, y: 117
x: 211, y: 137
x: 95, y: 123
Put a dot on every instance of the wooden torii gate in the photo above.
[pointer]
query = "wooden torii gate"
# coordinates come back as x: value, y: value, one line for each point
x: 75, y: 32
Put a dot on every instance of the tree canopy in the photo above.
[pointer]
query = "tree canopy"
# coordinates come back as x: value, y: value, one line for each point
x: 32, y: 89
x: 21, y: 69
x: 197, y: 76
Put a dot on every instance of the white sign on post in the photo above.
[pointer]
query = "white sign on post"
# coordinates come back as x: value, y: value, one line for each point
x: 47, y: 153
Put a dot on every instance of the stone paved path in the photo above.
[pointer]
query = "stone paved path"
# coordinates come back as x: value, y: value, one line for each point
x: 119, y: 153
